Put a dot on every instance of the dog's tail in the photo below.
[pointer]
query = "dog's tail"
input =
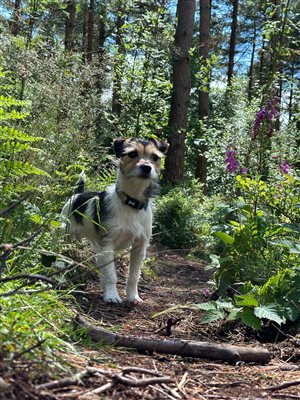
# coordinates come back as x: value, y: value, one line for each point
x: 80, y: 184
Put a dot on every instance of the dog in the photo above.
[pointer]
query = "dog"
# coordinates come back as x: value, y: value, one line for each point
x: 120, y: 217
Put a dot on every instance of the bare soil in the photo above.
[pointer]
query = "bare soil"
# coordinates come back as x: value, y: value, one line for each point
x: 169, y: 279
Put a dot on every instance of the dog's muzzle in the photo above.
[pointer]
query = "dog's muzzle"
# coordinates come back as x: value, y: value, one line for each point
x: 146, y: 170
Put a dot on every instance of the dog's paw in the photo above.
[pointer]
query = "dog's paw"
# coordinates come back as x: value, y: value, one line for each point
x: 109, y: 298
x: 134, y: 298
x: 112, y: 296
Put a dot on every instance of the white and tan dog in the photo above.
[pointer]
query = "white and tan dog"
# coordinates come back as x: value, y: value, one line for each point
x: 120, y: 217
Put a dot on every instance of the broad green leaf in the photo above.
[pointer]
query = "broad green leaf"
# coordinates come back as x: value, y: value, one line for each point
x: 246, y: 300
x: 225, y: 237
x: 270, y: 311
x: 212, y: 315
x: 250, y: 319
x: 235, y: 314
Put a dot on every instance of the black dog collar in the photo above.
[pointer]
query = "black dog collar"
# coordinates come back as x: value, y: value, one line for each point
x: 131, y: 202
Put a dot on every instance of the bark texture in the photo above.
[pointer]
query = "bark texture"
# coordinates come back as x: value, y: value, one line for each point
x: 232, y: 44
x: 70, y: 25
x: 203, y: 101
x: 186, y: 348
x: 178, y: 116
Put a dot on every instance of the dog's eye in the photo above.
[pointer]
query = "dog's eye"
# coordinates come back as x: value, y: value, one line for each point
x: 155, y: 157
x: 132, y: 154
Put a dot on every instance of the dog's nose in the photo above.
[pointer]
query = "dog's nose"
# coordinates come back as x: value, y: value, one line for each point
x: 146, y: 169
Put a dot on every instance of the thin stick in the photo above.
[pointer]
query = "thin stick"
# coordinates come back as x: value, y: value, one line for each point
x: 72, y: 380
x: 283, y: 385
x: 127, y: 370
x: 130, y: 382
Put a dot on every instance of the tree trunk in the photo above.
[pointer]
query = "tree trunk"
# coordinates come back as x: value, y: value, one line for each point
x: 177, y: 124
x: 102, y: 30
x: 16, y: 22
x: 291, y: 90
x: 90, y: 31
x: 84, y: 29
x: 70, y: 25
x: 232, y: 44
x: 274, y: 41
x: 117, y: 84
x: 251, y: 68
x: 100, y: 68
x: 33, y: 16
x: 262, y: 59
x: 203, y: 100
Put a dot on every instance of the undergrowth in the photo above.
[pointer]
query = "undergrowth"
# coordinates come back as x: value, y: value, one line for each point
x: 35, y: 318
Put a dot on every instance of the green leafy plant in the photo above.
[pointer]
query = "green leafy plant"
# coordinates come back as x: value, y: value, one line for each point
x: 259, y: 232
x: 32, y: 312
x: 176, y: 223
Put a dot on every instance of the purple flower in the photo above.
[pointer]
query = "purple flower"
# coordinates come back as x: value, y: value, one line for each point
x: 206, y: 292
x: 284, y: 167
x: 244, y: 171
x: 266, y: 113
x: 231, y: 159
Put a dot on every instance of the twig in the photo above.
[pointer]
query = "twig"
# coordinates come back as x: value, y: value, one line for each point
x: 38, y: 344
x: 127, y: 370
x: 182, y: 382
x: 116, y: 378
x: 24, y: 276
x: 283, y: 385
x: 168, y: 326
x: 13, y: 205
x: 173, y: 392
x: 72, y: 380
x: 29, y: 277
x: 163, y: 392
x: 13, y: 292
x: 99, y: 390
x: 129, y: 381
x: 285, y: 396
x: 8, y: 248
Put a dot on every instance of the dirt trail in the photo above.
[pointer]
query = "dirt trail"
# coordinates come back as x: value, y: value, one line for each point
x: 176, y: 280
x: 168, y: 280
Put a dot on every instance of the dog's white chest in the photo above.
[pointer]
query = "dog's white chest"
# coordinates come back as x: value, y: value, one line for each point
x: 128, y: 225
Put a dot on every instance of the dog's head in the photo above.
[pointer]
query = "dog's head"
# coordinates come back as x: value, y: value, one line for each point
x: 140, y: 158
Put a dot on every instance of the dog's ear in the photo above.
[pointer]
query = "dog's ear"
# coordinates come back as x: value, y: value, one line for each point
x: 119, y: 147
x: 161, y: 145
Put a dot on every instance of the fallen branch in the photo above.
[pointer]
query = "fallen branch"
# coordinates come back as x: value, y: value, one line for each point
x: 129, y: 381
x: 115, y: 379
x: 283, y: 385
x: 186, y: 348
x: 62, y: 383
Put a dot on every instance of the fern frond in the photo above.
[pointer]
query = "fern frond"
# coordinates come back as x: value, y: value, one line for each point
x: 12, y: 115
x: 19, y: 168
x: 10, y: 102
x: 9, y: 133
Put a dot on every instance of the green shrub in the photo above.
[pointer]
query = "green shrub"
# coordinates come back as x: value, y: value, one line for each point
x: 176, y: 218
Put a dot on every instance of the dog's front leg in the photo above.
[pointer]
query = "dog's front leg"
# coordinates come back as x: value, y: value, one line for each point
x: 106, y: 265
x: 137, y: 256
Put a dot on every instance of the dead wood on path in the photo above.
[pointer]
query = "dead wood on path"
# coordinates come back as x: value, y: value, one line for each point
x: 186, y: 348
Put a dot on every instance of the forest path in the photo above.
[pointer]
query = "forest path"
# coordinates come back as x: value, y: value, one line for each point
x: 171, y: 279
x: 168, y: 279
